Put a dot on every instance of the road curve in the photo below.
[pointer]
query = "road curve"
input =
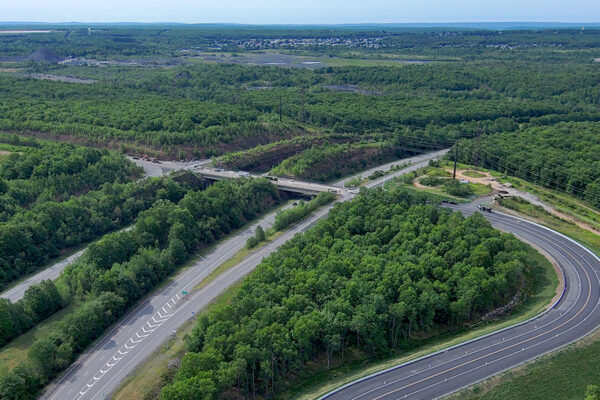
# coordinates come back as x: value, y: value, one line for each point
x: 575, y: 315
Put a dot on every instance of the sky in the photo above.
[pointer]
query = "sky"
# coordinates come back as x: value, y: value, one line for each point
x: 300, y: 11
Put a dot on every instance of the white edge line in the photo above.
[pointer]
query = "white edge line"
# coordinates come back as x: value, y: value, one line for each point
x: 331, y: 393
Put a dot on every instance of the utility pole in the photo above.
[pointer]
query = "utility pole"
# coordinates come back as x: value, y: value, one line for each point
x: 280, y: 108
x: 478, y: 150
x: 455, y: 159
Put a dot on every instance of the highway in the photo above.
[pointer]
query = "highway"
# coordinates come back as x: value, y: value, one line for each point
x: 16, y: 292
x: 53, y: 271
x: 415, y: 163
x: 101, y: 370
x: 575, y: 315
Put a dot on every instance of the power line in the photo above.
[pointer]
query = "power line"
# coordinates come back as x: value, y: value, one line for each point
x: 574, y: 190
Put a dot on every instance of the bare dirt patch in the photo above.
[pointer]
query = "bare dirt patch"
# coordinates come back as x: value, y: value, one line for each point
x: 60, y: 78
x: 487, y: 179
x: 351, y: 89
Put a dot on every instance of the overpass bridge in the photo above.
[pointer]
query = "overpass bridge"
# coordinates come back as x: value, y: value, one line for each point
x: 285, y: 184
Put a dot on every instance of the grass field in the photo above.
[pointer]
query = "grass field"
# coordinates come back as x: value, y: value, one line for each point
x: 14, y: 352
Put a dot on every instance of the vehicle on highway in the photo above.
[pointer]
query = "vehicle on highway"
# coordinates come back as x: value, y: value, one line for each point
x: 485, y: 208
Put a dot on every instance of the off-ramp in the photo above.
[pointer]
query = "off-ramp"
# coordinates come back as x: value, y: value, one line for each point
x: 575, y: 315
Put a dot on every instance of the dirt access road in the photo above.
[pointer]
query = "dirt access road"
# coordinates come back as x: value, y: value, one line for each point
x: 487, y: 179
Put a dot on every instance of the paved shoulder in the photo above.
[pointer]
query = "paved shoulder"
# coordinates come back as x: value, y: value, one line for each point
x: 574, y: 316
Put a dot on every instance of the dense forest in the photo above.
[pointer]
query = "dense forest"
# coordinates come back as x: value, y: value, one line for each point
x: 204, y: 110
x: 368, y: 280
x: 564, y: 157
x: 36, y: 172
x: 54, y: 196
x: 381, y: 272
x: 120, y: 269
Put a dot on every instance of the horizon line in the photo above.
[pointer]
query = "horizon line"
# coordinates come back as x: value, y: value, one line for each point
x: 307, y: 23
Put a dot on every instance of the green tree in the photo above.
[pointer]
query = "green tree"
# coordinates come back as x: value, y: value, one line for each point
x: 592, y: 392
x: 259, y: 234
x: 251, y: 242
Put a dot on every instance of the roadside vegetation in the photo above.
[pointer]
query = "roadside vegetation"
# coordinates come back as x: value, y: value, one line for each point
x: 403, y: 273
x: 55, y: 196
x: 436, y: 178
x: 330, y: 162
x: 325, y: 281
x: 564, y: 157
x: 124, y: 266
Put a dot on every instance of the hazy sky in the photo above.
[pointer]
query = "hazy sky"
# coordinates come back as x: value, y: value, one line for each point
x: 300, y: 11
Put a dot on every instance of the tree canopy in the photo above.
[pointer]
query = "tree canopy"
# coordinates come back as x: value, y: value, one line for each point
x: 377, y: 273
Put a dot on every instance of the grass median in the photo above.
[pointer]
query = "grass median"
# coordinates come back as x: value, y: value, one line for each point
x: 147, y: 380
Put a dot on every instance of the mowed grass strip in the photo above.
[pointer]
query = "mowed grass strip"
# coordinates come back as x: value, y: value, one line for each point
x: 15, y: 351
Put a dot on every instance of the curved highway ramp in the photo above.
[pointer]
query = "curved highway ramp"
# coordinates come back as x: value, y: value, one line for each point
x: 575, y: 315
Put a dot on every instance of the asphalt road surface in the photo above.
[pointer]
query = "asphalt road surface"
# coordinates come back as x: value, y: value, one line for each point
x: 575, y: 315
x: 16, y: 293
x: 415, y: 162
x: 99, y: 371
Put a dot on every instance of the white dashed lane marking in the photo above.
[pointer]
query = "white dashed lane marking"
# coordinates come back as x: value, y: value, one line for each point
x: 158, y: 319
